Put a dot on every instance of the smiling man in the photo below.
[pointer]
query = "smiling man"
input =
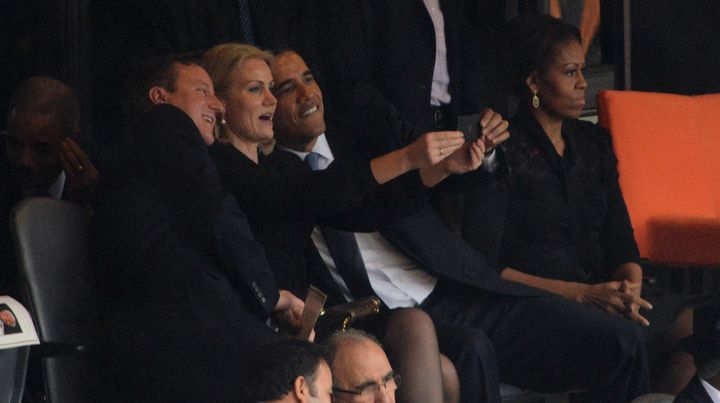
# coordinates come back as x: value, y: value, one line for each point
x: 300, y: 119
x: 176, y: 252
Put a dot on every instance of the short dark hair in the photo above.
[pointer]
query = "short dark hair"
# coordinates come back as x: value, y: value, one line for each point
x: 530, y: 43
x: 276, y: 365
x: 48, y: 97
x: 157, y: 71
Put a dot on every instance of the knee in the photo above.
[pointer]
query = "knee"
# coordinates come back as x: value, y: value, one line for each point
x: 450, y: 381
x: 410, y: 321
x: 409, y: 326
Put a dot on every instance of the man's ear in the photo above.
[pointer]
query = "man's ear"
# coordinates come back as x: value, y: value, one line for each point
x: 158, y: 95
x: 532, y: 82
x: 301, y: 389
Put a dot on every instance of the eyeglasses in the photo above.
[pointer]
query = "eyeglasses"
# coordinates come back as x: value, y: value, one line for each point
x: 368, y: 391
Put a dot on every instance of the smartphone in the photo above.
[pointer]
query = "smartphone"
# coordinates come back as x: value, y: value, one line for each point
x: 469, y: 125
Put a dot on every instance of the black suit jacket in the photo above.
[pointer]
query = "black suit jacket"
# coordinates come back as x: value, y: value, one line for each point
x: 179, y: 267
x: 694, y: 392
x: 283, y: 204
x: 171, y: 194
x: 380, y: 61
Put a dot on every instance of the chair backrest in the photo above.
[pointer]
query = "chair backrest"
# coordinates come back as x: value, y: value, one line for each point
x: 666, y: 147
x: 12, y: 373
x: 51, y: 242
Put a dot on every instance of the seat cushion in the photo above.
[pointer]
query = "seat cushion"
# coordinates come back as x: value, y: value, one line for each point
x: 684, y: 240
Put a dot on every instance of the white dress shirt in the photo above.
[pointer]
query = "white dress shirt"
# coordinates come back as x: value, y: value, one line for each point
x: 439, y: 92
x: 711, y: 391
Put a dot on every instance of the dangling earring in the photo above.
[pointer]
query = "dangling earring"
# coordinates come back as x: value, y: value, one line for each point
x: 217, y: 130
x: 535, y: 100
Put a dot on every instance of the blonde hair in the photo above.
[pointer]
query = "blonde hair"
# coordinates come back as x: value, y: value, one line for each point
x: 221, y: 60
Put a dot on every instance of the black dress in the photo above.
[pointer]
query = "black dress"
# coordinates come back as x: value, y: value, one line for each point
x: 564, y: 216
x: 283, y: 209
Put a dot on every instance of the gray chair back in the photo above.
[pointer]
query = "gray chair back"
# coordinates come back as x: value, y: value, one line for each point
x: 12, y: 373
x: 51, y: 243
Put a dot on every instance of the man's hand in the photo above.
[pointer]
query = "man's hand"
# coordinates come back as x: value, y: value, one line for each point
x: 81, y: 175
x: 494, y: 129
x: 616, y: 297
x: 288, y: 311
x: 433, y: 147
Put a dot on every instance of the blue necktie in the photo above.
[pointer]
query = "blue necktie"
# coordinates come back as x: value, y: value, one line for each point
x: 344, y: 250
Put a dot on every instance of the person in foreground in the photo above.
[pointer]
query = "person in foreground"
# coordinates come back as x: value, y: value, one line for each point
x: 361, y: 371
x: 564, y: 224
x: 283, y: 208
x: 175, y: 255
x: 290, y: 371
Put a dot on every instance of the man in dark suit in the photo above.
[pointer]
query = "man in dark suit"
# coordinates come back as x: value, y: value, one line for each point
x: 416, y: 261
x: 175, y: 254
x: 40, y: 156
x: 704, y: 344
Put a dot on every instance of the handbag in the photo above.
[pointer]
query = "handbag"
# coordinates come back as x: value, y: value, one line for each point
x: 340, y: 317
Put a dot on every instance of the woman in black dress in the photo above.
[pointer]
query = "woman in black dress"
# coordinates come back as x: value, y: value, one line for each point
x: 282, y: 211
x: 566, y: 228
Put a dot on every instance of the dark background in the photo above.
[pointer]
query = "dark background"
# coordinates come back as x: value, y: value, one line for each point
x: 675, y: 46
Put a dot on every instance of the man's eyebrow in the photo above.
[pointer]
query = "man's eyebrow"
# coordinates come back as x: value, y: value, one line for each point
x: 201, y: 83
x: 284, y: 83
x: 370, y: 382
x: 307, y: 73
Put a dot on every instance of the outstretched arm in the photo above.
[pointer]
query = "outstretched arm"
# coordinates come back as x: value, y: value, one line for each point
x: 426, y: 151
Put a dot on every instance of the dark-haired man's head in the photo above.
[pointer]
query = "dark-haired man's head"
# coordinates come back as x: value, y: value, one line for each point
x: 43, y: 112
x: 291, y: 370
x: 300, y: 114
x: 179, y: 81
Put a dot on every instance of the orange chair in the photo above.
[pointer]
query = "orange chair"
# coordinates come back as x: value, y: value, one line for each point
x: 668, y: 150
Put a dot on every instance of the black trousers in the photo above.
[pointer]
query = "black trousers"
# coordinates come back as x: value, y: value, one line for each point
x: 544, y: 343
